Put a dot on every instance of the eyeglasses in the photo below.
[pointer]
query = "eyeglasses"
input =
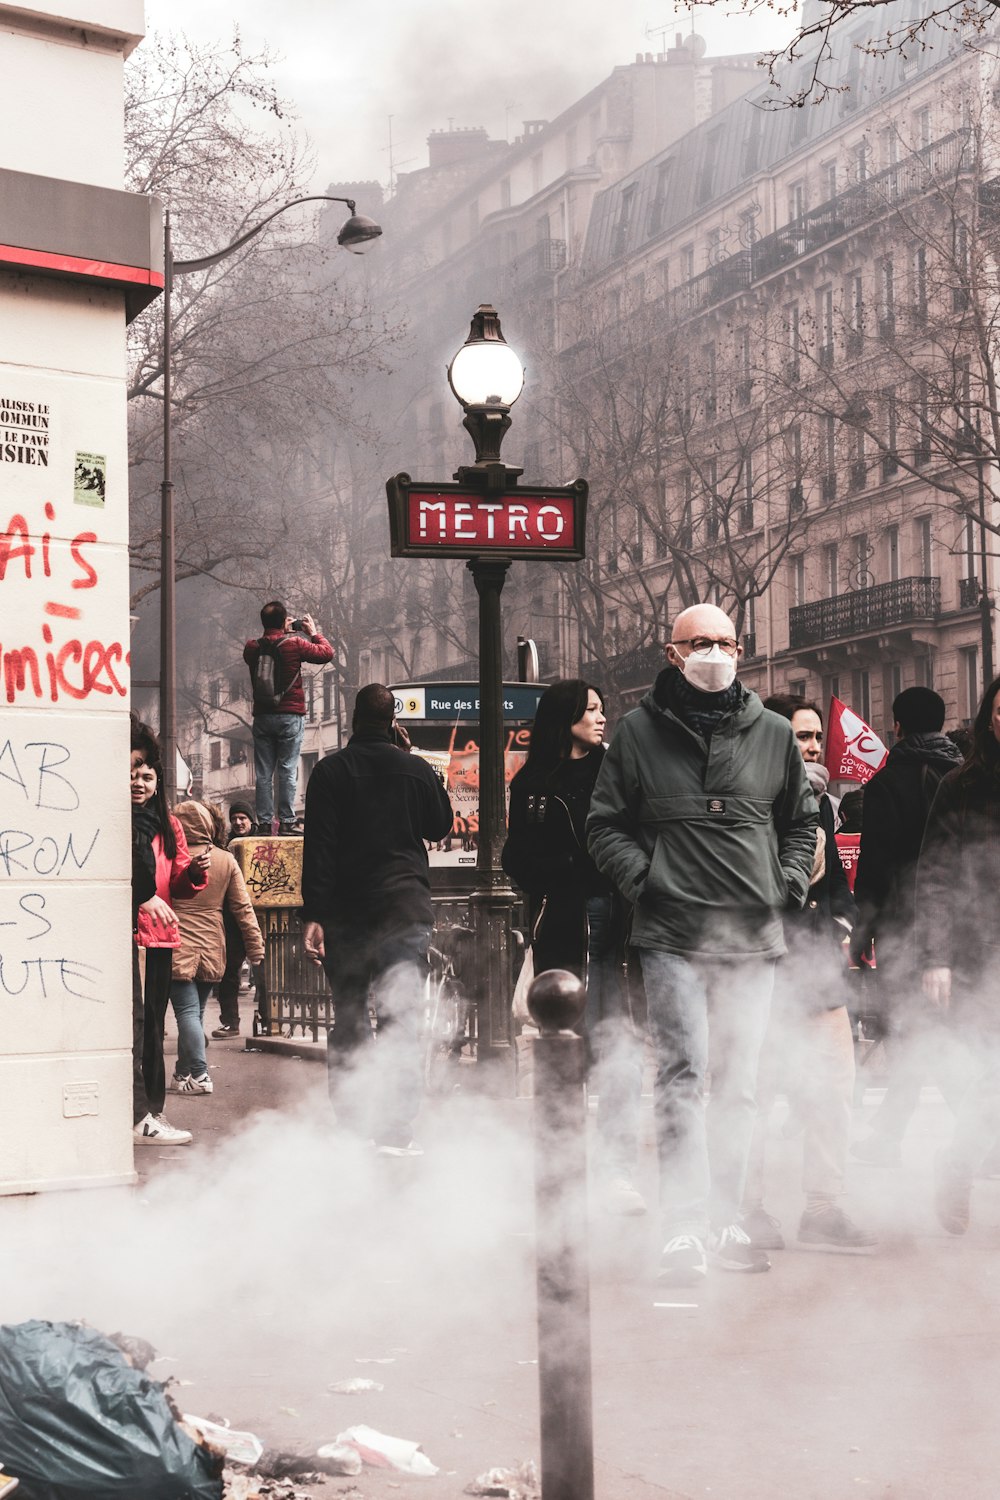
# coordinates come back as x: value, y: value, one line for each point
x: 701, y: 645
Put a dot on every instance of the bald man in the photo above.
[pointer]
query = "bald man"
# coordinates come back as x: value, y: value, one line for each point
x: 703, y: 817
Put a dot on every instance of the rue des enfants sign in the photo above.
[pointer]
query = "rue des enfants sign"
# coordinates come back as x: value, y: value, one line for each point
x: 531, y: 522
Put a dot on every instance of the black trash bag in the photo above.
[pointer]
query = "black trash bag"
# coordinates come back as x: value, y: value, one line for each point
x: 78, y: 1422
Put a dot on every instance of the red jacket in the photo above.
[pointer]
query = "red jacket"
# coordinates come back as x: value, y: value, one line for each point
x: 175, y: 881
x: 294, y: 651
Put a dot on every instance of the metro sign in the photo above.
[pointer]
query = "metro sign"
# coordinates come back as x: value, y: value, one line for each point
x: 456, y: 520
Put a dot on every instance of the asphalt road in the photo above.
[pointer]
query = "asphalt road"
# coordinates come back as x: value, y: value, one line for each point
x: 271, y: 1259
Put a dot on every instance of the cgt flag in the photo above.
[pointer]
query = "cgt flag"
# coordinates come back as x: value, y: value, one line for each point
x: 854, y: 751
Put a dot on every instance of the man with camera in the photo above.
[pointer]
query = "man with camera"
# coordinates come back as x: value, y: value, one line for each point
x: 279, y: 707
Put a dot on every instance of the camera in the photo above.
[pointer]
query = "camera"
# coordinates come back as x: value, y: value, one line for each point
x: 299, y: 625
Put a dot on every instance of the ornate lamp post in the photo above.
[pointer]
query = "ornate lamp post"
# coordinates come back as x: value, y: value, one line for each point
x: 487, y: 517
x: 356, y: 234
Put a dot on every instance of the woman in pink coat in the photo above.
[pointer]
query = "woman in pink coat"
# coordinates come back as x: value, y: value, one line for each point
x: 178, y: 877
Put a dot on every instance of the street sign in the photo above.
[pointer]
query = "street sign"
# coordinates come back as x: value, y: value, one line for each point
x: 530, y: 522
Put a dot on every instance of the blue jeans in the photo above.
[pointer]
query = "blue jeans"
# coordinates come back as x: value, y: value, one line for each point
x: 188, y: 997
x: 616, y: 1070
x: 703, y: 1152
x: 277, y: 739
x: 376, y: 1090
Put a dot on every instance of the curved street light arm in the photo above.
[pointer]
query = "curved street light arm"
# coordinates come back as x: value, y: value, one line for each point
x: 203, y: 262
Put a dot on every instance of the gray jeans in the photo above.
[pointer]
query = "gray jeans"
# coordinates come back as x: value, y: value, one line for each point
x: 699, y: 1008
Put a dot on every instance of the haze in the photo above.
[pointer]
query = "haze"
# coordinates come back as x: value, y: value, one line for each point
x: 346, y: 68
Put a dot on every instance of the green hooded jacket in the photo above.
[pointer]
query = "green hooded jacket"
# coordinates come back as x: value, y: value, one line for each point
x: 708, y: 841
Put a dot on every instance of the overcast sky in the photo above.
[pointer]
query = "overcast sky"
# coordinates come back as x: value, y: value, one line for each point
x: 346, y: 68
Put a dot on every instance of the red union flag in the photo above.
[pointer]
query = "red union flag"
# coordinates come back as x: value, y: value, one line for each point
x: 464, y: 520
x: 854, y: 751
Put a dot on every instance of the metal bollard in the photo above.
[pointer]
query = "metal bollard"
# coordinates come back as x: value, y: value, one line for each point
x: 556, y: 1001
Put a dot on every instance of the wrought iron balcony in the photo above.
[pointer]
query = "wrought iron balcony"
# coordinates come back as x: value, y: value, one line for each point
x: 849, y: 210
x: 968, y: 592
x: 886, y: 606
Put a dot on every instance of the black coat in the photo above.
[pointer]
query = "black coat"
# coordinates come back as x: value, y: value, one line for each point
x: 896, y: 805
x: 369, y: 810
x: 545, y: 856
x: 957, y: 909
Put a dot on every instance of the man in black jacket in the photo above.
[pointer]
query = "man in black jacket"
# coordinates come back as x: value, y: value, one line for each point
x: 367, y: 913
x: 897, y: 801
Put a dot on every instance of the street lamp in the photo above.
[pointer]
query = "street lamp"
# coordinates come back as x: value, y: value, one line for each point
x: 356, y: 235
x: 486, y: 378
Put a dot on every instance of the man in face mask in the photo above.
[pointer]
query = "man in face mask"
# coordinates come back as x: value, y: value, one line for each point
x: 703, y: 817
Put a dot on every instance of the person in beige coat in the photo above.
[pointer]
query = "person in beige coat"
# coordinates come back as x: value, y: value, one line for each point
x: 200, y: 960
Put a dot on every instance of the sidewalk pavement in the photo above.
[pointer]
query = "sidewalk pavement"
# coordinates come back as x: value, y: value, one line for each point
x: 271, y: 1259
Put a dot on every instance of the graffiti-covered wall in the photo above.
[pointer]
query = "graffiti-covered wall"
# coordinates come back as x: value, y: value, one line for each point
x: 70, y: 272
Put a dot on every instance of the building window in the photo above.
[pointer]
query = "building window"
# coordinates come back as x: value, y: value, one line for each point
x: 625, y: 212
x: 329, y: 683
x: 797, y: 687
x: 215, y: 755
x: 925, y: 556
x: 237, y: 689
x: 657, y: 208
x: 924, y: 672
x: 886, y: 297
x: 968, y: 682
x: 828, y: 178
x: 862, y: 694
x: 831, y: 569
x: 862, y: 553
x: 922, y: 128
x: 797, y: 579
x: 793, y: 340
x: 796, y: 200
x: 214, y: 692
x: 711, y: 398
x: 920, y: 284
x: 829, y: 477
x: 824, y: 324
x: 892, y: 553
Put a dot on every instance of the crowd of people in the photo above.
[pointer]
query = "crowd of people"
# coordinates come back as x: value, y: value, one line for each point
x: 689, y: 874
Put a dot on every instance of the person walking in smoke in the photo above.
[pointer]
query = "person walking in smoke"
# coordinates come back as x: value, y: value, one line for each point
x: 809, y: 1048
x: 367, y: 914
x: 957, y: 929
x: 896, y: 805
x: 575, y: 916
x: 703, y: 818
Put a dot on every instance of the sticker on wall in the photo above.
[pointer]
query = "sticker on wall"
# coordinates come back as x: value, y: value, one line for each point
x: 89, y: 474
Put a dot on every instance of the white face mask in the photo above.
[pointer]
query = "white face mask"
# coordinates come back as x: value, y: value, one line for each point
x: 709, y: 674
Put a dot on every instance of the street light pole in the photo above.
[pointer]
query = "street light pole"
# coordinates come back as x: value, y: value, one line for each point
x: 355, y: 235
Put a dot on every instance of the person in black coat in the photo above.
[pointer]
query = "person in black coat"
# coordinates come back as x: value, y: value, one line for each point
x: 575, y: 916
x: 957, y: 942
x: 367, y: 914
x: 897, y: 803
x: 809, y: 1049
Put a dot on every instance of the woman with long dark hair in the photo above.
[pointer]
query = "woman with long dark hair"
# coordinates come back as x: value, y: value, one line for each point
x: 177, y: 876
x: 958, y: 920
x: 575, y: 915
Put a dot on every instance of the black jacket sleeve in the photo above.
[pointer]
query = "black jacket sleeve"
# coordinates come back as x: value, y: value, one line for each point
x: 321, y: 844
x: 534, y: 857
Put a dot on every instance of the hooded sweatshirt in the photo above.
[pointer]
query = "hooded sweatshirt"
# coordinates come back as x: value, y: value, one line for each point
x: 896, y: 804
x: 202, y: 950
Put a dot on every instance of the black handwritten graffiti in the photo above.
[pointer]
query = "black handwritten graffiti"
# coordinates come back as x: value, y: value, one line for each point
x: 269, y: 874
x: 22, y: 854
x: 53, y: 975
x: 52, y: 790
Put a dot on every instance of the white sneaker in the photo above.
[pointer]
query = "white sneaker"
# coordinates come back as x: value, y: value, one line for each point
x: 189, y: 1084
x: 620, y: 1196
x: 153, y: 1130
x: 388, y: 1149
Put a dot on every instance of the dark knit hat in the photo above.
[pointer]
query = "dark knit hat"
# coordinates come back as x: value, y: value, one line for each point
x: 240, y: 807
